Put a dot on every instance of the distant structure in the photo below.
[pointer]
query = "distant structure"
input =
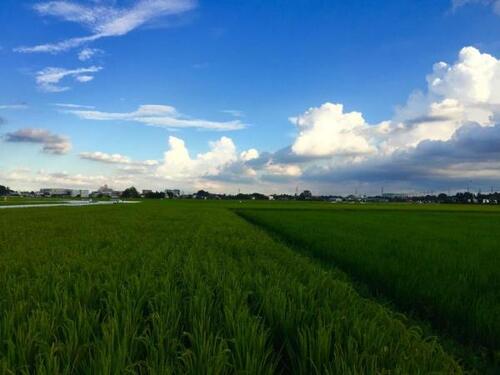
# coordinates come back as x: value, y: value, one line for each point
x: 106, y: 191
x: 395, y: 195
x: 306, y: 195
x: 59, y: 192
x: 172, y: 193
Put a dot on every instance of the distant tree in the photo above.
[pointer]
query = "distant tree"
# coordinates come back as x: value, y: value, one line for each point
x: 259, y: 196
x: 4, y: 190
x: 465, y: 197
x: 154, y: 195
x: 306, y: 194
x: 443, y: 198
x: 130, y: 192
x: 202, y: 194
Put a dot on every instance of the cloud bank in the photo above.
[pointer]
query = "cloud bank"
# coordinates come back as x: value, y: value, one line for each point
x: 443, y: 138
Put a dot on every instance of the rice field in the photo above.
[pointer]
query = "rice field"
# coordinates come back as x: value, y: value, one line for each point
x: 440, y: 264
x: 194, y: 288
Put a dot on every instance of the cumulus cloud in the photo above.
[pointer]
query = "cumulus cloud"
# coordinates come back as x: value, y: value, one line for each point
x: 328, y: 131
x: 442, y: 137
x: 250, y: 154
x: 447, y: 134
x: 48, y: 79
x: 472, y: 153
x: 104, y: 20
x: 475, y: 71
x: 52, y: 143
x: 160, y: 116
x: 460, y: 93
x: 178, y: 164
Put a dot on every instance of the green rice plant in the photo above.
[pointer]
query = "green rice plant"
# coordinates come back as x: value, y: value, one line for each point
x: 176, y: 288
x: 441, y: 264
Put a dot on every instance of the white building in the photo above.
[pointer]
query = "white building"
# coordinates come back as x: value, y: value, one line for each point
x: 80, y: 193
x: 52, y: 192
x: 106, y: 191
x: 59, y: 192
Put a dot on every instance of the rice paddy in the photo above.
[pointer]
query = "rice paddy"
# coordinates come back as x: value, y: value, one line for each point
x: 193, y: 287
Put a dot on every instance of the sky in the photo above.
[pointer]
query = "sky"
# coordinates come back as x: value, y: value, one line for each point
x: 253, y: 96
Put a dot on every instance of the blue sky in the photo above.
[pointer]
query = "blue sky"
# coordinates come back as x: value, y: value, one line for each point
x: 242, y: 75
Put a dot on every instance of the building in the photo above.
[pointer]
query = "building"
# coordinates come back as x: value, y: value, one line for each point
x: 60, y: 192
x: 106, y: 191
x: 80, y: 193
x: 55, y: 192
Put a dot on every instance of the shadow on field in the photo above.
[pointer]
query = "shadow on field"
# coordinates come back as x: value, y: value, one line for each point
x: 474, y: 356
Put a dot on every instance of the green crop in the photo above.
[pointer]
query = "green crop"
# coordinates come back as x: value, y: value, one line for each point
x: 185, y: 288
x: 442, y: 263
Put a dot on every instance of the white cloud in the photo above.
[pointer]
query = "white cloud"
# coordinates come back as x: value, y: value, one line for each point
x: 285, y: 170
x: 84, y: 78
x: 23, y: 178
x: 474, y: 78
x: 88, y: 53
x: 115, y: 159
x: 52, y: 143
x: 48, y: 79
x: 73, y: 106
x: 105, y: 158
x: 104, y: 21
x: 328, y: 131
x: 13, y: 106
x: 178, y: 164
x: 250, y: 154
x: 463, y: 92
x: 428, y: 141
x: 159, y: 115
